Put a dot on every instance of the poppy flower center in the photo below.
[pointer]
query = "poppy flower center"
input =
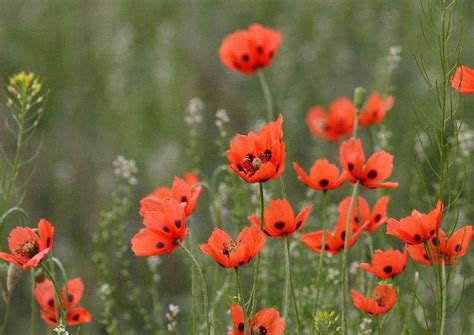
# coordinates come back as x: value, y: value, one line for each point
x: 262, y: 330
x: 251, y: 163
x: 228, y: 247
x: 28, y: 249
x: 380, y: 300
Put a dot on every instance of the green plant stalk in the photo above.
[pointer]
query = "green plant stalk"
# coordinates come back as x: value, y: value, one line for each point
x: 286, y: 292
x: 321, y: 255
x: 293, y: 294
x: 33, y: 304
x: 57, y: 296
x: 241, y: 298
x: 345, y: 279
x: 409, y: 310
x: 253, y: 296
x: 443, y: 297
x: 203, y: 286
x: 5, y: 317
x: 266, y: 94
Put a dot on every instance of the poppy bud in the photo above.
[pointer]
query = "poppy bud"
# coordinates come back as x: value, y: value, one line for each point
x: 13, y: 276
x: 359, y: 97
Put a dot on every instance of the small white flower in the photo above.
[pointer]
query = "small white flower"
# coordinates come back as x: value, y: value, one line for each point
x: 125, y: 169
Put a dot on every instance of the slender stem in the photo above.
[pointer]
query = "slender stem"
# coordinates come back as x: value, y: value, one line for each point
x: 410, y: 310
x: 345, y: 279
x: 443, y: 297
x: 33, y: 304
x: 321, y: 255
x: 5, y: 317
x: 203, y: 286
x: 241, y: 297
x: 253, y: 296
x: 295, y: 304
x: 286, y: 292
x: 377, y: 324
x: 267, y: 95
x: 57, y: 298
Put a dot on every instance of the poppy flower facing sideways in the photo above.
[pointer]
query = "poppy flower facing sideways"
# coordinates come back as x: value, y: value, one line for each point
x: 416, y: 228
x: 163, y: 228
x: 370, y: 173
x: 361, y: 212
x: 182, y: 190
x: 450, y: 249
x: 279, y: 219
x: 246, y: 51
x: 258, y: 157
x: 382, y: 300
x: 322, y: 176
x: 386, y: 264
x: 266, y: 321
x: 375, y: 110
x: 463, y: 80
x: 336, y: 123
x: 232, y: 254
x: 27, y: 248
x: 334, y: 241
x: 44, y: 294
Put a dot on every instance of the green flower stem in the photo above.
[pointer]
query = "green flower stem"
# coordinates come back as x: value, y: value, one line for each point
x: 443, y: 296
x: 321, y: 255
x: 286, y: 292
x: 203, y: 286
x: 345, y: 279
x: 295, y: 304
x: 410, y: 310
x: 5, y: 317
x: 241, y: 297
x: 33, y: 304
x: 253, y: 295
x: 57, y: 295
x: 266, y: 94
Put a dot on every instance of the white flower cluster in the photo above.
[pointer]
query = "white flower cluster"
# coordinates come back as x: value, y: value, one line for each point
x: 125, y: 169
x: 194, y: 113
x: 465, y: 139
x: 171, y: 316
x: 365, y: 327
x: 153, y: 263
x: 221, y: 119
x: 422, y: 142
x: 60, y: 330
x: 333, y: 275
x: 383, y: 136
x: 393, y: 58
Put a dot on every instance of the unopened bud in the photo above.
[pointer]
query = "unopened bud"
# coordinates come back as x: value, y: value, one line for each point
x: 359, y: 97
x: 14, y: 273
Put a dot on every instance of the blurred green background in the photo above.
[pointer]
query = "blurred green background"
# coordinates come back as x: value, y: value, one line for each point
x: 120, y: 75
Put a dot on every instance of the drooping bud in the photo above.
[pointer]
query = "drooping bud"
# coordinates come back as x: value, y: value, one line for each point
x: 359, y: 97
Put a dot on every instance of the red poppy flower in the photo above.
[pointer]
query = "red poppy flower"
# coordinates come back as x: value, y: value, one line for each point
x: 258, y: 157
x: 28, y: 248
x: 361, y: 212
x: 232, y: 254
x: 246, y: 51
x: 266, y: 321
x: 418, y: 227
x: 338, y: 122
x: 383, y: 299
x: 334, y: 240
x: 463, y: 80
x: 375, y: 109
x: 386, y: 264
x: 322, y: 176
x: 279, y: 219
x: 44, y: 294
x: 455, y: 247
x: 183, y: 191
x: 370, y: 173
x: 163, y: 228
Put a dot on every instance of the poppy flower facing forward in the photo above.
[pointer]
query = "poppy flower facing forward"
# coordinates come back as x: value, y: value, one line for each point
x: 463, y: 80
x: 386, y: 264
x: 334, y: 241
x: 232, y: 254
x: 246, y: 51
x: 163, y: 228
x: 418, y: 227
x: 279, y: 219
x: 182, y: 190
x: 336, y: 123
x: 266, y: 321
x: 361, y: 212
x: 452, y: 249
x: 27, y: 248
x: 382, y: 300
x: 44, y: 294
x: 322, y: 176
x: 258, y: 157
x: 370, y: 173
x: 375, y: 110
